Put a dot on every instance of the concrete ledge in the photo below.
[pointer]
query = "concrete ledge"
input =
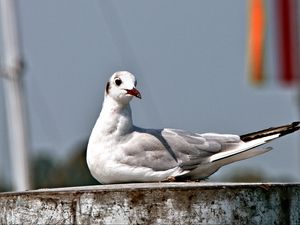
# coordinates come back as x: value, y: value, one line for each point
x: 155, y: 203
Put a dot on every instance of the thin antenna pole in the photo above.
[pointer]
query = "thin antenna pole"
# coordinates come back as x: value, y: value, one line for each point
x: 15, y: 112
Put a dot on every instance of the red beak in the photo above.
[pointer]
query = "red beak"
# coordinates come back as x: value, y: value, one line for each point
x: 134, y: 92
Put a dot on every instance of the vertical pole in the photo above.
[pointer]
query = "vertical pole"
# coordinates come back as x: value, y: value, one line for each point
x: 12, y: 71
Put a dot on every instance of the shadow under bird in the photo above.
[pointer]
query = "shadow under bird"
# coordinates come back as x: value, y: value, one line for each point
x: 120, y: 152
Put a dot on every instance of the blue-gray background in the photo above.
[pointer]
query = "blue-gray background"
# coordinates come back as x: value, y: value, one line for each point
x: 190, y: 59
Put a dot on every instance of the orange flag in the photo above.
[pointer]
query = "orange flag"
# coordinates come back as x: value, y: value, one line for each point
x: 256, y: 41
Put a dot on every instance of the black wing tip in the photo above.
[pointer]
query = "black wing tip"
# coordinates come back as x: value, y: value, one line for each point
x: 281, y: 130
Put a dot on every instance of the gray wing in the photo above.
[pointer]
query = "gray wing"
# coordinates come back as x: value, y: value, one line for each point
x: 168, y: 148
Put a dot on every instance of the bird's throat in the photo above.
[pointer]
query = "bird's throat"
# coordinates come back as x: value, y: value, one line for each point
x: 115, y: 119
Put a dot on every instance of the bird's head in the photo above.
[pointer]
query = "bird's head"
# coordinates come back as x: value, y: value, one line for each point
x: 122, y: 87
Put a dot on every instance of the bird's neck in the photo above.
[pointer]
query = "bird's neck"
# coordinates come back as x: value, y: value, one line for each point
x: 115, y: 118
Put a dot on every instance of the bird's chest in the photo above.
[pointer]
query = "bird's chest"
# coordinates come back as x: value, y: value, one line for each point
x: 105, y: 149
x: 102, y: 158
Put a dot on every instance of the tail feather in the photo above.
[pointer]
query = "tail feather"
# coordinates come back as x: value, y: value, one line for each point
x: 250, y: 142
x: 245, y: 147
x: 243, y: 155
x: 248, y: 147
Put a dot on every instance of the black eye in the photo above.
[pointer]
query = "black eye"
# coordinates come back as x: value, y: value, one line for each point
x: 118, y: 81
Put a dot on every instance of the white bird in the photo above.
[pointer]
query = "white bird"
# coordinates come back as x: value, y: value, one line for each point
x: 119, y: 152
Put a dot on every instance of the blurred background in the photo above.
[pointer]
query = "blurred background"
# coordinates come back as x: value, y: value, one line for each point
x: 203, y: 66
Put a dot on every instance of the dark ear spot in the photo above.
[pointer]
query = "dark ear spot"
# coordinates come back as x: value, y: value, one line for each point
x: 107, y: 88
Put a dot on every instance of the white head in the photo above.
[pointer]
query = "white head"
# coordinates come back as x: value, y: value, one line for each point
x: 122, y: 87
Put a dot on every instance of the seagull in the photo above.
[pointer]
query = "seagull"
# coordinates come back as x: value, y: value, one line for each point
x: 120, y: 152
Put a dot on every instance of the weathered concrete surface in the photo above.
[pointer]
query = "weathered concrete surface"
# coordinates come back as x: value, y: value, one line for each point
x: 157, y: 203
